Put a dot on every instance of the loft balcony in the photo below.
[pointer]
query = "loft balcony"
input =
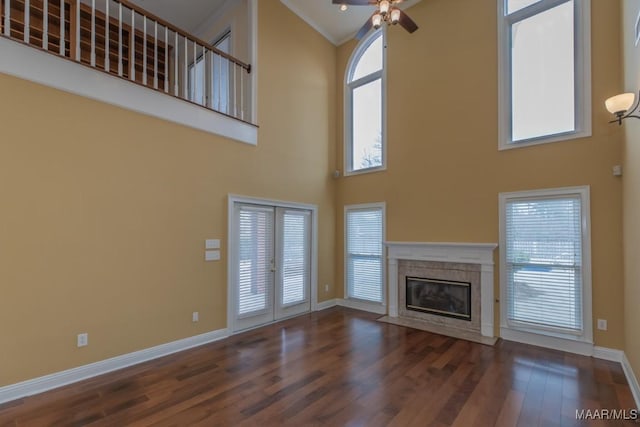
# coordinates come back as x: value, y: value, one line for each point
x: 117, y: 52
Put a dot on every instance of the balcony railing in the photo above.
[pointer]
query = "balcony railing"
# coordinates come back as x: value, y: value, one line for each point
x: 124, y: 40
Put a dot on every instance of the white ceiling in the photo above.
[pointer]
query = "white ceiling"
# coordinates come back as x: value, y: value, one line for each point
x: 326, y: 17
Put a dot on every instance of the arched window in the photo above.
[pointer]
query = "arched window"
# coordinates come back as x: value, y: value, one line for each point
x: 365, y: 106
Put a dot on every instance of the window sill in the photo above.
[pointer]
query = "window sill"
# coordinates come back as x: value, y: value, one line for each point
x: 544, y: 140
x: 357, y: 304
x: 366, y: 171
x: 28, y: 63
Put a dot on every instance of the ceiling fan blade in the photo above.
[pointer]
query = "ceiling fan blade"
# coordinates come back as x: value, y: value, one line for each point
x: 355, y: 2
x: 407, y: 23
x: 365, y: 28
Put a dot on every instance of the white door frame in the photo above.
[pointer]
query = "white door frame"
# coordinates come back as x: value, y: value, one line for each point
x: 232, y: 249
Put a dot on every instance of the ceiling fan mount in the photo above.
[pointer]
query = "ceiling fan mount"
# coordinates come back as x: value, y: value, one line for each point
x: 387, y: 11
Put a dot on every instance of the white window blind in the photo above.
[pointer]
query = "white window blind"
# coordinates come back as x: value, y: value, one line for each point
x: 364, y: 229
x: 544, y: 263
x: 255, y: 259
x: 295, y: 256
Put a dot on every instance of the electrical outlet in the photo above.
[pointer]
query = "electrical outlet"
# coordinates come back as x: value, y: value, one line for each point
x: 326, y: 288
x: 195, y: 316
x: 602, y: 324
x: 83, y: 340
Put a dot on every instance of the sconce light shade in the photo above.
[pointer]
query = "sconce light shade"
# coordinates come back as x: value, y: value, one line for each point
x: 620, y: 103
x: 621, y: 106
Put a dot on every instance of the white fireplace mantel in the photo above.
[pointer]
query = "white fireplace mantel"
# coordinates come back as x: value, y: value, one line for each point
x: 467, y: 253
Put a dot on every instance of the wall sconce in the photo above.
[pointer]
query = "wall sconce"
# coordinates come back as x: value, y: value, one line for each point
x: 620, y: 106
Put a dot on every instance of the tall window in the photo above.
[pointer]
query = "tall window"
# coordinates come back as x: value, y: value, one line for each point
x: 365, y: 106
x: 545, y: 65
x: 364, y: 268
x: 545, y: 263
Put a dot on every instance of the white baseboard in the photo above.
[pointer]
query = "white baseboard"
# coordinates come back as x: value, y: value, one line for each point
x: 363, y: 306
x: 577, y: 347
x: 610, y: 354
x: 326, y: 304
x: 631, y: 379
x: 59, y: 379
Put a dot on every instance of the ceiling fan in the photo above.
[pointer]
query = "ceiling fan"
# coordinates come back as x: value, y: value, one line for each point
x: 386, y: 11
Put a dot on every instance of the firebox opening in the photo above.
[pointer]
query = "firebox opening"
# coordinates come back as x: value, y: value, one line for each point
x: 441, y: 297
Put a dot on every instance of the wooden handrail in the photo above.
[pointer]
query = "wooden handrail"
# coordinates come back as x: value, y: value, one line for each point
x: 184, y: 34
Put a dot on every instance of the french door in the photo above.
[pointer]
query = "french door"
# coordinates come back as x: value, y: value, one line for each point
x: 272, y: 276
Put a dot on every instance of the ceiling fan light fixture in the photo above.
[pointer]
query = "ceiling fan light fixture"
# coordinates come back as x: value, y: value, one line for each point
x: 384, y: 7
x: 343, y: 7
x: 395, y: 16
x: 376, y: 21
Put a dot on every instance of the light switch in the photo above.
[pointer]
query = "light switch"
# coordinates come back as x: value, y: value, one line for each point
x: 212, y: 244
x: 211, y: 255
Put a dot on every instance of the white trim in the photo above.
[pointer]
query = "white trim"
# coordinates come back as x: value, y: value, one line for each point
x: 609, y: 354
x: 326, y: 304
x: 59, y: 379
x: 253, y: 40
x: 583, y: 191
x: 583, y: 95
x: 371, y: 307
x: 562, y: 344
x: 232, y: 249
x: 383, y: 207
x: 347, y: 145
x: 466, y: 253
x: 632, y: 379
x: 25, y: 62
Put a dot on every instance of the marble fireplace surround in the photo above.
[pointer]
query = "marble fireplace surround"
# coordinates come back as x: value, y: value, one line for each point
x: 473, y: 261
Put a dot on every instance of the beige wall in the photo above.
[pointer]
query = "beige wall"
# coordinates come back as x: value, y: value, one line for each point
x: 631, y: 195
x: 105, y: 212
x: 444, y: 169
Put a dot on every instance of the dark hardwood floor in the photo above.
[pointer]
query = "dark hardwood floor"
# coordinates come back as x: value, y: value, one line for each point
x: 339, y: 367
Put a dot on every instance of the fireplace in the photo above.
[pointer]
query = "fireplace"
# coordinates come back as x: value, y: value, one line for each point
x: 446, y: 288
x: 439, y: 297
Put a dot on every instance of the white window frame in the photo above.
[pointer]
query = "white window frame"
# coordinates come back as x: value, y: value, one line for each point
x: 575, y: 343
x: 348, y: 101
x: 375, y: 307
x: 582, y: 61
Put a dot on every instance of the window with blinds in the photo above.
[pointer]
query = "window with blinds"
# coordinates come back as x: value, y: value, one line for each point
x: 364, y: 257
x: 543, y: 238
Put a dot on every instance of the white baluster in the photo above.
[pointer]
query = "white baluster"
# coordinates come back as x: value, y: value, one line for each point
x: 132, y: 46
x: 166, y: 59
x: 63, y: 23
x: 93, y: 33
x: 27, y: 21
x: 107, y: 38
x: 78, y: 52
x: 176, y: 87
x: 144, y: 50
x: 235, y: 92
x: 242, y: 93
x: 120, y: 39
x: 185, y: 78
x: 7, y: 18
x: 45, y: 24
x: 155, y: 56
x: 194, y: 83
x: 204, y: 76
x: 220, y: 83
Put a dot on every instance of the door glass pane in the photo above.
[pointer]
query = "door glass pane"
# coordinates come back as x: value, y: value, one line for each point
x: 543, y: 74
x: 255, y: 259
x: 295, y: 257
x: 370, y: 61
x: 367, y: 125
x: 516, y: 5
x: 221, y: 76
x: 196, y: 81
